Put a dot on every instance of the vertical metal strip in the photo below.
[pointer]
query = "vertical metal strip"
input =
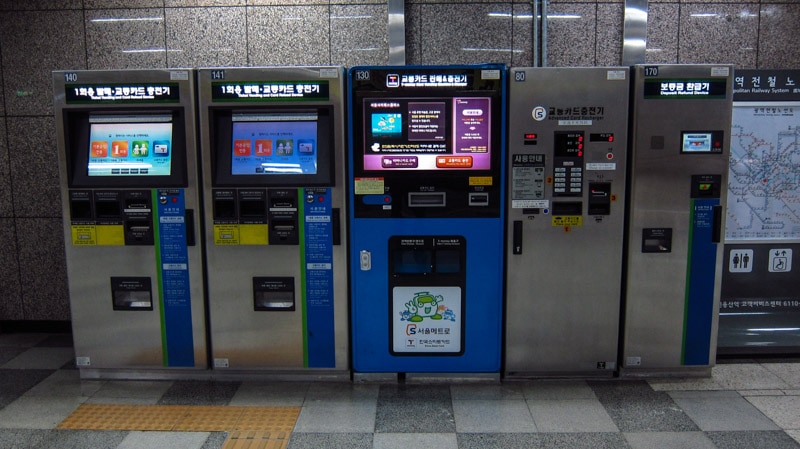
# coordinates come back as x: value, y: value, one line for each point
x: 535, y: 26
x: 539, y: 33
x: 397, y: 32
x: 544, y: 34
x: 634, y: 40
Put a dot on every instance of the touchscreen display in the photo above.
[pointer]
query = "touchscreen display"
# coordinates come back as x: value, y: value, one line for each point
x: 274, y: 147
x: 130, y: 149
x: 427, y: 133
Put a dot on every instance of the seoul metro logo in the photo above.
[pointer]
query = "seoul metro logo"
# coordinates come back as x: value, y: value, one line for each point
x: 539, y: 113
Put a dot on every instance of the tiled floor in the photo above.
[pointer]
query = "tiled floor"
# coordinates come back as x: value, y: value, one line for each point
x: 748, y: 405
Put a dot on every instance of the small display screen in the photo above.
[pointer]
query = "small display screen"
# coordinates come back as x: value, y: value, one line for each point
x: 701, y: 142
x: 130, y: 149
x: 427, y: 133
x: 274, y: 147
x: 697, y: 142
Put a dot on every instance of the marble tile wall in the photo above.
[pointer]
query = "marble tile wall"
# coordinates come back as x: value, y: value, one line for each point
x: 39, y: 36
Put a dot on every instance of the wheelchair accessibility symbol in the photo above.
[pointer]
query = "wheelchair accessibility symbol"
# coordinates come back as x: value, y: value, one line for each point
x: 780, y: 260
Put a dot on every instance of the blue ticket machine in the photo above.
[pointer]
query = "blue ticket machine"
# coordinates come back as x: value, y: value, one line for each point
x: 426, y: 207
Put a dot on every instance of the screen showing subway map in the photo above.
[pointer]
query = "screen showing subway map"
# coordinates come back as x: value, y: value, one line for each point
x: 764, y: 177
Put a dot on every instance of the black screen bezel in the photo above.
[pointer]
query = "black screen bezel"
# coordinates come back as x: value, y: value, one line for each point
x: 222, y: 149
x: 77, y: 130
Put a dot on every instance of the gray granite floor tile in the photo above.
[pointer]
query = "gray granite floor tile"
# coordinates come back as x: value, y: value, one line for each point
x: 337, y: 417
x: 794, y: 434
x: 753, y: 440
x: 41, y: 358
x: 782, y: 410
x: 414, y: 409
x: 22, y: 339
x: 37, y: 412
x: 122, y: 391
x: 414, y: 440
x: 764, y: 393
x: 684, y: 385
x: 263, y: 394
x: 499, y: 441
x: 216, y: 440
x: 419, y: 416
x: 486, y: 392
x: 492, y: 416
x: 390, y: 392
x: 330, y: 440
x: 722, y: 411
x: 9, y: 352
x: 669, y: 440
x: 81, y: 439
x: 22, y: 438
x: 583, y: 441
x: 558, y: 389
x: 14, y: 383
x: 635, y: 407
x: 788, y: 372
x: 575, y: 415
x: 747, y: 377
x: 199, y: 393
x: 340, y: 391
x: 65, y: 383
x: 56, y: 341
x: 149, y: 440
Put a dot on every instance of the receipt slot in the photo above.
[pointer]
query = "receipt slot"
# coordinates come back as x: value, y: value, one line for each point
x: 426, y: 207
x: 680, y: 149
x: 272, y: 140
x: 567, y: 172
x: 127, y: 157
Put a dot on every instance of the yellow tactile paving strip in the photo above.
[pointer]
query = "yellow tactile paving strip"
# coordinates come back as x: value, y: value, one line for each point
x: 248, y: 427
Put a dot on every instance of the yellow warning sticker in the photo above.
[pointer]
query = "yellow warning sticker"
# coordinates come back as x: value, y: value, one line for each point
x: 369, y: 186
x: 84, y: 235
x: 253, y: 234
x: 480, y: 180
x: 227, y: 234
x: 110, y: 235
x: 567, y: 220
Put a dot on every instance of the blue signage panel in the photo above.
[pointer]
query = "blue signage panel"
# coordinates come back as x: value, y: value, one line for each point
x: 700, y: 283
x: 318, y: 280
x: 174, y: 287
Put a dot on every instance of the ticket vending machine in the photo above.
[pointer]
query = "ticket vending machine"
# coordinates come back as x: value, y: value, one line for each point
x: 680, y: 150
x: 426, y: 209
x: 128, y: 163
x: 567, y: 170
x: 272, y: 141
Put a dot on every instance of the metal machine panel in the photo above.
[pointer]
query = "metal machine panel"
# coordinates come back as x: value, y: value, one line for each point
x: 127, y: 157
x: 273, y: 147
x: 680, y: 147
x: 567, y: 170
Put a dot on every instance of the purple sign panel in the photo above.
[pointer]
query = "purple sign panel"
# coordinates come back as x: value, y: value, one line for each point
x: 472, y: 125
x: 427, y: 134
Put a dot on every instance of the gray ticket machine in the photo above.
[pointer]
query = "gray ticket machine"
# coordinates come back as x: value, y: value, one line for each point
x: 566, y: 216
x: 272, y: 141
x: 680, y: 150
x: 128, y: 162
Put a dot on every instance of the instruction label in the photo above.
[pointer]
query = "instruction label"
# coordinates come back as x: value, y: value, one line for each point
x: 528, y: 181
x: 568, y: 220
x: 369, y: 186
